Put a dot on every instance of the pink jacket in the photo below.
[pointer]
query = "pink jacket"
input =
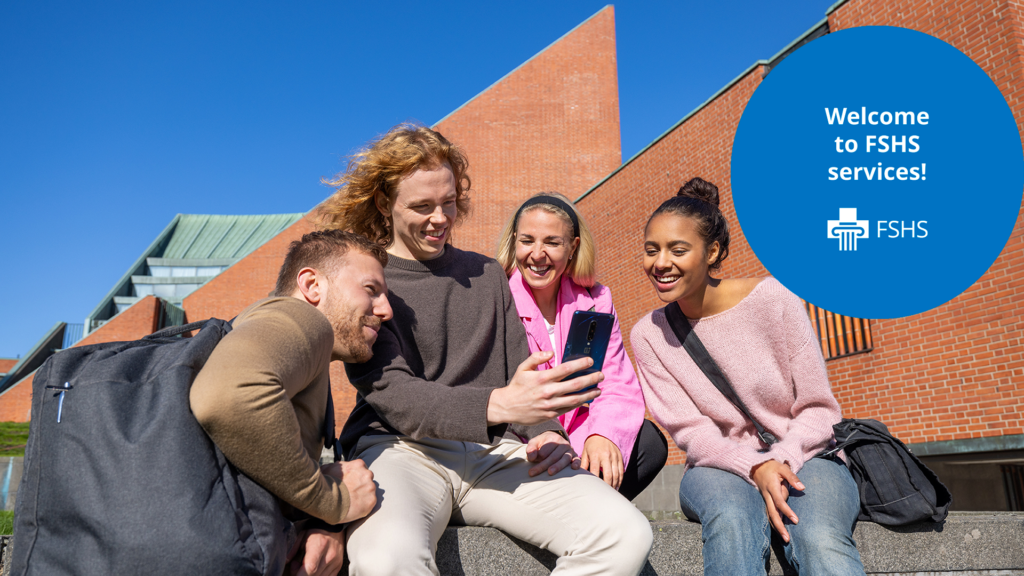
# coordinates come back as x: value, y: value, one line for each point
x: 619, y: 411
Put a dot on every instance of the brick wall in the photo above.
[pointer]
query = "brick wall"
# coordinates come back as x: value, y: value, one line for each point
x: 950, y: 373
x: 137, y: 321
x: 16, y: 402
x: 6, y: 364
x: 551, y: 124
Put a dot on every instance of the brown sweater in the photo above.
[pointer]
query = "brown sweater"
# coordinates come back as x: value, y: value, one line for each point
x: 455, y: 337
x: 262, y: 397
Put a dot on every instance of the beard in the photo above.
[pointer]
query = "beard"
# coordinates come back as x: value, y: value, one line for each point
x: 350, y: 342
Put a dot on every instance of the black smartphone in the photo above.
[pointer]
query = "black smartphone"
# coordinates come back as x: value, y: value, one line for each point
x: 589, y: 333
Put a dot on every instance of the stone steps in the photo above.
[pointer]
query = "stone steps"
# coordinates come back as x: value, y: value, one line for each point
x: 979, y: 544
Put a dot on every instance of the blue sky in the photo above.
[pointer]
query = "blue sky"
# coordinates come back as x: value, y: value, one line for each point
x: 116, y: 116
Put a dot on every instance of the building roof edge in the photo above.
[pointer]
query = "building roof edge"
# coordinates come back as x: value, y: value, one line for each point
x: 714, y: 96
x: 835, y: 7
x: 530, y: 59
x: 127, y: 276
x: 769, y: 62
x: 34, y: 357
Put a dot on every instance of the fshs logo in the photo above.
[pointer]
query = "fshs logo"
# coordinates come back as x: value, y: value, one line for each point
x: 848, y: 229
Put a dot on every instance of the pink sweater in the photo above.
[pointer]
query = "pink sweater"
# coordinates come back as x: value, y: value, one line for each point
x: 768, y: 351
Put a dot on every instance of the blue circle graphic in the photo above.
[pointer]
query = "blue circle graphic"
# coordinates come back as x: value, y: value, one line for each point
x: 877, y: 172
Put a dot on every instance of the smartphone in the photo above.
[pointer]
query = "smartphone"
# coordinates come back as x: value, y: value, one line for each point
x: 589, y: 333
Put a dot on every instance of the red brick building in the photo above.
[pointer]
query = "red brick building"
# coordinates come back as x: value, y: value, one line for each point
x: 950, y: 381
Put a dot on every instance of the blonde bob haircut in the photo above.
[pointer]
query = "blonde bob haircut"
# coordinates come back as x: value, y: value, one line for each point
x: 379, y: 168
x: 582, y: 268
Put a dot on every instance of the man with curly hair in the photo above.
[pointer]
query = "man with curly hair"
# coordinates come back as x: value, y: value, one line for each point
x: 453, y: 417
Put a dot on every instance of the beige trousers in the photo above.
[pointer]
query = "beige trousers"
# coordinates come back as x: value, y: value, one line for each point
x: 425, y: 484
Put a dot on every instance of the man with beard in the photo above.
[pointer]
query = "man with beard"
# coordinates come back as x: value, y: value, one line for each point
x: 262, y: 396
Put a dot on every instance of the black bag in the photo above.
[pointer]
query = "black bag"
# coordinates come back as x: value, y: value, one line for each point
x: 120, y: 478
x: 895, y: 487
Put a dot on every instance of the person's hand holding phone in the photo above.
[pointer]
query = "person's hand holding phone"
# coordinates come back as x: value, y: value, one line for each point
x: 534, y: 396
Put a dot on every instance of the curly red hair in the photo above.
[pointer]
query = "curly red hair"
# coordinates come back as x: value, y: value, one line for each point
x: 380, y: 167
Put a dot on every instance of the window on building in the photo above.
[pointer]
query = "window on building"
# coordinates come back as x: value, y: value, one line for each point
x: 1013, y: 481
x: 839, y: 335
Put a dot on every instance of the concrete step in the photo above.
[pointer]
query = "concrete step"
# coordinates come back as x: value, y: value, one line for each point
x: 966, y: 543
x: 978, y: 544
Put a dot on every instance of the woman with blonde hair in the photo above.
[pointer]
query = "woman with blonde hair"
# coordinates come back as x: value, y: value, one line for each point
x: 548, y: 253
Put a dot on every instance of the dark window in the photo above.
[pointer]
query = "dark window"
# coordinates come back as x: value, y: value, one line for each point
x: 1013, y: 480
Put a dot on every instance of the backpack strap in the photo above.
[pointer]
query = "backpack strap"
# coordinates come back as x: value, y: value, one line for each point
x: 176, y: 330
x: 589, y: 293
x: 330, y: 440
x: 695, y: 348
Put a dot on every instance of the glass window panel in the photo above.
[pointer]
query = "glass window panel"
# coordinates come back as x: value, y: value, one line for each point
x: 164, y: 290
x: 182, y: 290
x: 143, y: 289
x: 160, y: 271
x: 208, y: 270
x: 182, y: 271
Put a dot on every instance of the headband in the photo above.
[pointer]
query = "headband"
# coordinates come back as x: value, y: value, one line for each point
x: 551, y: 201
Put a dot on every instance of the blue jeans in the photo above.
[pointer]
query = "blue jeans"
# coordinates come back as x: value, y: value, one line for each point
x: 737, y: 534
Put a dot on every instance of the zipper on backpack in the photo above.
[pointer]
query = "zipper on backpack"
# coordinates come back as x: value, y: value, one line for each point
x: 60, y: 402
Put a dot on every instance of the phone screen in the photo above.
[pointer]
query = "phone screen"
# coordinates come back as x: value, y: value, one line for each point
x: 589, y: 334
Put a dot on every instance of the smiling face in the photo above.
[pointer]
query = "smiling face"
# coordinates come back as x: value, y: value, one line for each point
x: 676, y: 259
x: 422, y: 213
x: 355, y: 302
x: 544, y: 244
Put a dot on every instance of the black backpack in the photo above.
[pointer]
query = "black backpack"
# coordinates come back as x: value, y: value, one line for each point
x: 120, y: 478
x: 895, y: 487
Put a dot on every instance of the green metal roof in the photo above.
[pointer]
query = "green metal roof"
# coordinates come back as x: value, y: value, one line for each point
x: 206, y: 236
x: 197, y: 237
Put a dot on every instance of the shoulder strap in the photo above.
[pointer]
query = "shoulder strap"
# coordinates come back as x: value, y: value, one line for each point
x: 695, y: 348
x: 330, y: 440
x: 589, y: 293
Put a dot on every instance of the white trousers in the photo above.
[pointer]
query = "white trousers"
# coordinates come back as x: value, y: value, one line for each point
x: 425, y: 484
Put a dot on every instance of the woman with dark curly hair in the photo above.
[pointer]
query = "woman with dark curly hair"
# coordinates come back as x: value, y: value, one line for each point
x: 738, y: 485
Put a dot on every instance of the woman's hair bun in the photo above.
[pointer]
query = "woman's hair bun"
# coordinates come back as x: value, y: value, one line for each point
x: 700, y: 189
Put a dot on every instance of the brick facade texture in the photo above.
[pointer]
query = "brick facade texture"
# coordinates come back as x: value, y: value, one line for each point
x: 6, y: 364
x: 551, y: 124
x: 954, y: 372
x: 134, y: 323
